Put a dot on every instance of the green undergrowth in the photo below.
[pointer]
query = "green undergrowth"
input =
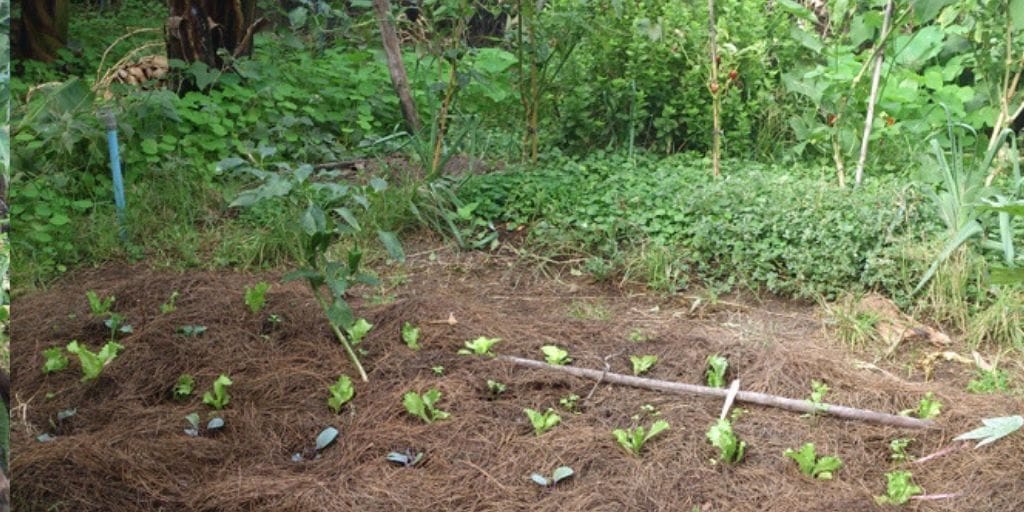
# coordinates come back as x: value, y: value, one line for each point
x: 791, y: 233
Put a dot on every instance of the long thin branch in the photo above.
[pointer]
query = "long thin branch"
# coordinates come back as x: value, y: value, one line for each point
x: 789, y: 404
x: 875, y: 77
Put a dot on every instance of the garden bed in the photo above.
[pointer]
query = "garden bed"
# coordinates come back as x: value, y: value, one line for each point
x: 125, y: 449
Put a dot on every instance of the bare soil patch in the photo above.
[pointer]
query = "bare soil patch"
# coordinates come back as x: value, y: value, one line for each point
x: 125, y: 449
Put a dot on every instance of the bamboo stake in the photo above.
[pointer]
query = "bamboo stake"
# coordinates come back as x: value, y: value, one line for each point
x: 393, y: 52
x: 716, y: 101
x: 879, y: 57
x: 779, y: 402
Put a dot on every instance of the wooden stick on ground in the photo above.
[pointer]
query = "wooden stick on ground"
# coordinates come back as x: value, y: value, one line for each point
x: 788, y: 404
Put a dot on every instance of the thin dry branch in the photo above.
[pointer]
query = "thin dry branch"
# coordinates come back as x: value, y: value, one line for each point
x: 779, y: 402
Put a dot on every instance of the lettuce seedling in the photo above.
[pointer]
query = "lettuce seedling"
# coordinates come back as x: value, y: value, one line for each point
x: 730, y: 448
x: 183, y: 389
x: 899, y: 488
x: 479, y: 347
x: 542, y: 421
x: 341, y: 392
x: 560, y: 473
x: 495, y: 388
x: 570, y: 403
x: 556, y: 355
x: 634, y: 439
x: 169, y: 306
x: 813, y: 466
x: 256, y: 296
x: 898, y: 449
x: 717, y: 365
x: 818, y: 391
x: 411, y: 336
x: 219, y: 397
x: 358, y: 331
x: 93, y: 364
x: 927, y: 408
x: 423, y: 406
x: 642, y: 364
x: 99, y: 307
x: 55, y: 360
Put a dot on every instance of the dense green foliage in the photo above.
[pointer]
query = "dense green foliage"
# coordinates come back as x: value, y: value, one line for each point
x: 789, y: 233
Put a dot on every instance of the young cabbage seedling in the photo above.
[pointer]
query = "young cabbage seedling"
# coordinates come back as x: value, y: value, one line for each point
x: 634, y: 439
x: 642, y: 364
x: 409, y: 458
x: 556, y: 355
x: 191, y: 331
x: 411, y: 336
x: 423, y: 406
x: 730, y: 448
x: 560, y: 473
x: 813, y: 466
x: 438, y: 370
x: 717, y: 365
x: 479, y: 347
x: 542, y: 421
x: 55, y: 360
x: 899, y: 488
x: 93, y: 363
x: 341, y: 392
x: 324, y: 439
x: 183, y: 389
x: 256, y: 296
x: 215, y: 424
x: 219, y: 397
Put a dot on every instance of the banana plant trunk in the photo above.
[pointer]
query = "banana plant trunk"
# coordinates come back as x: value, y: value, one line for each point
x: 200, y: 30
x: 43, y: 29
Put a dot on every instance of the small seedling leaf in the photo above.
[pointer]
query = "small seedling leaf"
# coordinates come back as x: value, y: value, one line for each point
x: 561, y: 473
x: 296, y: 457
x: 65, y: 414
x: 215, y: 424
x: 411, y: 336
x: 539, y: 479
x: 326, y: 437
x: 45, y: 438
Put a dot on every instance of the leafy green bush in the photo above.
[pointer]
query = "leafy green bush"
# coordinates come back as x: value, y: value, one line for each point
x: 791, y: 233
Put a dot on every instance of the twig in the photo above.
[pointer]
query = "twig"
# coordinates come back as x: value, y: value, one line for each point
x: 936, y: 497
x: 486, y: 474
x: 945, y: 451
x: 789, y: 404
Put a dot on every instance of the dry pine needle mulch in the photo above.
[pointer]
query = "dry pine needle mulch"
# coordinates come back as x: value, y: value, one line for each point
x: 125, y: 449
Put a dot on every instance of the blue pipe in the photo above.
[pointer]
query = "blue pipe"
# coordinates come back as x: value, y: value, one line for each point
x: 115, y: 170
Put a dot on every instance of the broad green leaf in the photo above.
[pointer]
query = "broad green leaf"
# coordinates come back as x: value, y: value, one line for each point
x: 1005, y: 276
x: 313, y: 220
x: 994, y: 430
x: 391, y: 245
x: 657, y: 428
x: 804, y: 458
x: 348, y: 217
x: 1017, y: 14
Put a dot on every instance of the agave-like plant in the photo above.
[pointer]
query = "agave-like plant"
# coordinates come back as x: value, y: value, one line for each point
x: 965, y: 197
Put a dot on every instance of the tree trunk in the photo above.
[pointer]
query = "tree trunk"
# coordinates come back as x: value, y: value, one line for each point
x: 393, y: 51
x: 197, y: 29
x: 43, y: 29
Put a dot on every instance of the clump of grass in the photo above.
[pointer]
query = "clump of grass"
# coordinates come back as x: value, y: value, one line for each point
x: 853, y: 325
x: 587, y: 311
x: 1002, y: 322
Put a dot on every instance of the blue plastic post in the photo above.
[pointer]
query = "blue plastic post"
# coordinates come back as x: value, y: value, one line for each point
x: 115, y: 170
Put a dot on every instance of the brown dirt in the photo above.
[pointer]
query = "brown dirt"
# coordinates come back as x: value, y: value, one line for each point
x: 124, y: 450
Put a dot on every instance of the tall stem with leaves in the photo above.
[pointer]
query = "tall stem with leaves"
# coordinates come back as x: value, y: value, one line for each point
x: 716, y: 100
